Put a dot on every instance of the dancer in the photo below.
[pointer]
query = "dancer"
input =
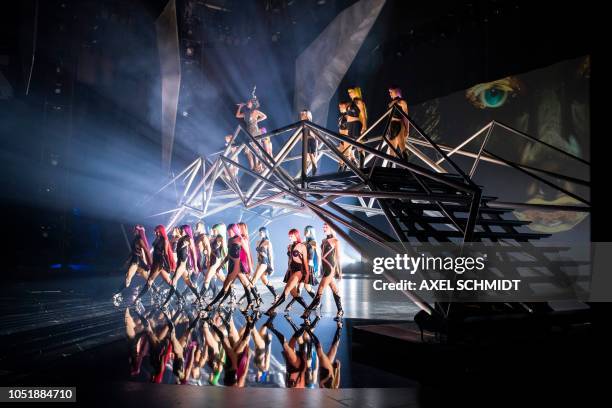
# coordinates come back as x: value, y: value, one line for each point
x: 218, y: 252
x: 163, y: 260
x: 399, y: 126
x: 297, y: 271
x: 237, y: 267
x: 244, y: 232
x: 266, y: 142
x: 202, y: 246
x: 138, y: 343
x: 311, y: 143
x: 313, y: 264
x: 251, y: 115
x: 345, y: 148
x: 139, y: 261
x: 265, y: 260
x: 357, y: 117
x: 331, y: 258
x: 176, y: 235
x: 186, y: 254
x: 232, y: 169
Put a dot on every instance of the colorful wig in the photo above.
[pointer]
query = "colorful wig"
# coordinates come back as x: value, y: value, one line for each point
x: 222, y: 230
x: 265, y: 231
x: 246, y: 259
x: 168, y: 248
x: 296, y: 234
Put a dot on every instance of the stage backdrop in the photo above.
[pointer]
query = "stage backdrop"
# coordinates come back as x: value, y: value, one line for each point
x: 551, y: 104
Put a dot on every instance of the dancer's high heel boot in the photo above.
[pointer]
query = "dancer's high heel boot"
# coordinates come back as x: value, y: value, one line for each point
x: 338, y: 301
x: 222, y: 294
x: 312, y: 306
x: 279, y: 301
x: 257, y: 296
x: 271, y: 289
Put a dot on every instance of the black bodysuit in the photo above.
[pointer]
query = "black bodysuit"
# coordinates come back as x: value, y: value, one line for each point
x: 329, y: 259
x: 354, y: 128
x: 160, y: 257
x: 137, y: 254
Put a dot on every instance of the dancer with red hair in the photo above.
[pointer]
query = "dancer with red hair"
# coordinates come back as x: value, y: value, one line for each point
x: 139, y: 260
x: 297, y: 271
x: 163, y: 260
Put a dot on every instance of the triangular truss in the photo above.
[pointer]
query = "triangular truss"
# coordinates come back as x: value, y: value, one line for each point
x: 427, y: 196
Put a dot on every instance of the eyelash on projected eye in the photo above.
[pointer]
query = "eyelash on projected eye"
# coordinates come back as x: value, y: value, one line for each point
x: 491, y: 95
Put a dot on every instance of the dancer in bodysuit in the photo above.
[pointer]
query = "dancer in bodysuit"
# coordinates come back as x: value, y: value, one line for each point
x: 251, y: 115
x: 399, y: 126
x: 357, y: 117
x: 313, y: 264
x: 186, y: 254
x: 163, y: 260
x: 217, y: 253
x: 265, y: 260
x: 238, y: 267
x: 139, y: 261
x: 297, y: 271
x: 331, y: 270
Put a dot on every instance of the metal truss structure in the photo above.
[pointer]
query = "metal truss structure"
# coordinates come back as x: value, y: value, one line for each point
x: 423, y: 198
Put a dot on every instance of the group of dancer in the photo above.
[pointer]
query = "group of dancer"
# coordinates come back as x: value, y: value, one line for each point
x: 211, y: 348
x: 224, y: 256
x: 352, y: 122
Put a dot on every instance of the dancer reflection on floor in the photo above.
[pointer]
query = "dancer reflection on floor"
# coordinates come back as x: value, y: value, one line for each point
x: 238, y: 267
x: 331, y: 270
x: 160, y: 350
x: 138, y: 343
x: 237, y: 352
x: 329, y: 367
x: 216, y: 354
x: 139, y: 260
x: 251, y: 115
x: 295, y: 360
x: 262, y: 339
x: 186, y: 256
x: 218, y: 252
x: 313, y: 264
x: 297, y: 271
x: 163, y: 260
x: 181, y: 347
x: 399, y: 126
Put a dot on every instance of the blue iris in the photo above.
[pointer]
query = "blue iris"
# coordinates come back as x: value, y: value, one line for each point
x: 494, y: 97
